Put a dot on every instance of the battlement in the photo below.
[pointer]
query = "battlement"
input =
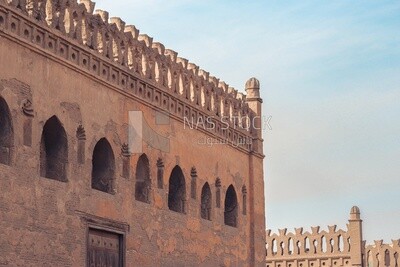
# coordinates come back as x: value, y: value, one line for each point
x: 381, y: 254
x: 109, y: 136
x: 300, y: 242
x: 144, y: 58
x: 331, y: 247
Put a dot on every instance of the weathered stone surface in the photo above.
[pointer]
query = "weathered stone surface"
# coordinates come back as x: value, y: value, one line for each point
x: 335, y: 247
x: 90, y: 83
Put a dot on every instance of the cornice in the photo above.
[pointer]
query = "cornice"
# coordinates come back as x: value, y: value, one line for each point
x: 52, y: 44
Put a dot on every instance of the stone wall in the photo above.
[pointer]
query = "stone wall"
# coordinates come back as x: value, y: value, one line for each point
x: 78, y: 74
x: 329, y: 248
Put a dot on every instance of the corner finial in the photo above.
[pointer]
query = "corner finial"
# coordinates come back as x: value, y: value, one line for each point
x: 253, y: 88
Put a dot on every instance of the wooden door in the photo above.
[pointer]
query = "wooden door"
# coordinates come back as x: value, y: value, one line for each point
x: 104, y: 249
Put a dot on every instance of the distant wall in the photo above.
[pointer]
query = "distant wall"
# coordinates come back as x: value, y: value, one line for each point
x: 329, y: 248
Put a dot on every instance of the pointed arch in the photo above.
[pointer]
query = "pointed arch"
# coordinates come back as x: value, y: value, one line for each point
x: 181, y: 85
x: 143, y: 182
x: 324, y: 246
x: 103, y: 166
x: 231, y: 207
x: 6, y: 133
x: 306, y: 244
x: 192, y: 92
x: 274, y: 247
x: 206, y: 202
x: 212, y: 102
x: 340, y: 243
x: 298, y: 247
x: 203, y: 96
x: 177, y: 190
x: 54, y: 150
x: 157, y: 71
x: 387, y: 258
x: 290, y: 246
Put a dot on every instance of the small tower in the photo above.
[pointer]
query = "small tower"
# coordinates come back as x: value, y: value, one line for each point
x: 355, y: 230
x: 255, y: 188
x: 253, y: 88
x: 254, y: 101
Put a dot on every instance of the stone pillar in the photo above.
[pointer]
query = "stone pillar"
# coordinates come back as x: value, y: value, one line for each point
x: 160, y: 173
x: 356, y: 240
x: 126, y: 161
x: 257, y: 248
x: 27, y: 109
x: 81, y: 136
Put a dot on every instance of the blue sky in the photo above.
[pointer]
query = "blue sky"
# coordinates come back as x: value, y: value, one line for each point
x: 330, y: 74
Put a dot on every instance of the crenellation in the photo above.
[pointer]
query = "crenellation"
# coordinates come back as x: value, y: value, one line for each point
x: 282, y: 232
x: 381, y: 254
x: 213, y: 81
x: 329, y: 248
x: 92, y: 173
x: 182, y: 61
x: 233, y: 93
x: 268, y: 233
x: 315, y: 230
x: 223, y: 86
x: 147, y: 40
x: 131, y: 32
x: 204, y: 75
x: 19, y: 4
x: 135, y: 52
x: 104, y: 15
x: 298, y: 231
x: 332, y: 228
x: 119, y: 23
x: 36, y: 9
x: 159, y: 48
x: 193, y: 67
x: 89, y: 5
x: 172, y: 55
x: 313, y: 242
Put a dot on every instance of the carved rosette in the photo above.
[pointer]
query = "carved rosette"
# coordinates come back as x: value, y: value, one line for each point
x: 160, y: 163
x: 27, y: 108
x: 81, y: 133
x: 218, y: 182
x: 125, y: 150
x: 244, y: 190
x: 193, y: 172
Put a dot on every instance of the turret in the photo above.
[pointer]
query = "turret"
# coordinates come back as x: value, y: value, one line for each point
x: 254, y: 101
x: 355, y: 231
x: 253, y: 88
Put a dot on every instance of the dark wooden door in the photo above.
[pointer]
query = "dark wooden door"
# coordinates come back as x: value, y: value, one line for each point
x: 104, y: 249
